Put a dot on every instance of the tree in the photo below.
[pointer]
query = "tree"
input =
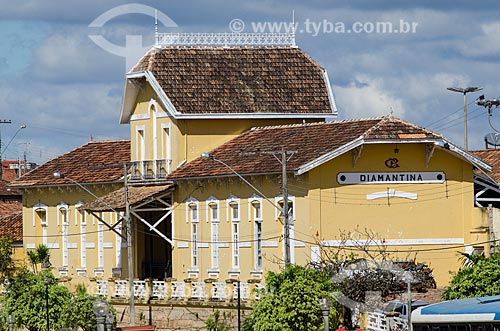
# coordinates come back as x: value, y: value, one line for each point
x: 6, y: 262
x: 25, y: 299
x: 479, y: 276
x: 40, y: 255
x: 216, y: 323
x: 365, y: 273
x: 290, y: 301
x: 80, y: 313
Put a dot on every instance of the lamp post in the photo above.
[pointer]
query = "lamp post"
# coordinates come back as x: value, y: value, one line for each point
x: 465, y: 90
x: 408, y: 278
x: 129, y: 236
x: 325, y: 305
x: 47, y: 283
x: 284, y: 211
x: 110, y: 319
x: 100, y: 308
x: 10, y: 321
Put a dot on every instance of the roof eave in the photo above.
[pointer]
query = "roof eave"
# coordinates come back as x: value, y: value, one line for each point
x: 468, y: 157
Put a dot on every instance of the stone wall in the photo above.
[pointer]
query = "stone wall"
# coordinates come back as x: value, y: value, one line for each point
x: 185, y: 316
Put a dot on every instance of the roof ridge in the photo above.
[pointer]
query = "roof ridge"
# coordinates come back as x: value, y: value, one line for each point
x: 283, y: 126
x: 388, y: 118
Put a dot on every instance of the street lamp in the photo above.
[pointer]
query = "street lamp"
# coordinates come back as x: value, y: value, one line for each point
x: 283, y: 211
x: 465, y: 90
x: 129, y: 237
x: 110, y: 319
x: 10, y: 321
x: 47, y: 283
x: 100, y: 308
x: 325, y: 305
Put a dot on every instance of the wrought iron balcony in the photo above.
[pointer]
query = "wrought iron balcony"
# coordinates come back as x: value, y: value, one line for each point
x: 150, y: 169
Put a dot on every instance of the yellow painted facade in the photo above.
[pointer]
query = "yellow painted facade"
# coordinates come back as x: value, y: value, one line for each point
x: 80, y: 247
x: 432, y: 227
x: 156, y: 135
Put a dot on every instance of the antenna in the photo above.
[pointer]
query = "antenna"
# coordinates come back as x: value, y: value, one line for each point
x: 156, y: 28
x: 293, y: 25
x: 492, y: 139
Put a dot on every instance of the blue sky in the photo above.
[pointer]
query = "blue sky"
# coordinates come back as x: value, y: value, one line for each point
x: 65, y: 88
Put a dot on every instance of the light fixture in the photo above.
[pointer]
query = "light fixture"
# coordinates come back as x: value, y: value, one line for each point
x: 464, y: 91
x: 100, y: 308
x: 325, y: 305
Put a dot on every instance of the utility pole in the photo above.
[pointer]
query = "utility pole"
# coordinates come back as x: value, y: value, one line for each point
x: 130, y: 251
x: 285, y: 156
x: 1, y: 166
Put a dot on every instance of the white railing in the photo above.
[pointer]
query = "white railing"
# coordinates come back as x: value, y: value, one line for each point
x: 102, y: 287
x: 225, y: 39
x: 150, y: 169
x: 159, y: 289
x: 139, y: 289
x: 219, y: 291
x: 179, y: 290
x: 381, y: 322
x: 121, y: 288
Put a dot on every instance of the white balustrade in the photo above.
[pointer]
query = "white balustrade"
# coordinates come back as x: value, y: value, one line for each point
x: 139, y: 289
x: 178, y: 290
x: 198, y: 290
x: 219, y: 290
x: 159, y: 289
x: 244, y: 291
x: 102, y: 287
x: 121, y: 288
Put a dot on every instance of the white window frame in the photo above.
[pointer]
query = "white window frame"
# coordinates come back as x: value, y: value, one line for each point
x: 100, y: 242
x: 257, y: 220
x: 41, y: 207
x: 166, y: 151
x: 80, y: 218
x: 192, y: 202
x: 235, y: 250
x: 213, y: 204
x: 140, y: 142
x: 195, y: 256
x: 62, y: 218
x: 118, y: 241
x: 232, y: 202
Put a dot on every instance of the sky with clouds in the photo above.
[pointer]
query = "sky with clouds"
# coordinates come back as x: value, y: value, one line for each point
x: 66, y: 88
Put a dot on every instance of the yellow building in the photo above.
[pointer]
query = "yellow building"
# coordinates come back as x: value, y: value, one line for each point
x: 220, y: 217
x: 409, y: 185
x: 81, y: 245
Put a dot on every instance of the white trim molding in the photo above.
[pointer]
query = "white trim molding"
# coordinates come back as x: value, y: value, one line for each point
x: 394, y: 242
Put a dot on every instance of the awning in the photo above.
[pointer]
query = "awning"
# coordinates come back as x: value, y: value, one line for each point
x: 136, y: 195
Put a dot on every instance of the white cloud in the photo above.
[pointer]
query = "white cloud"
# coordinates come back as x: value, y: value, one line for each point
x: 368, y: 98
x: 485, y: 44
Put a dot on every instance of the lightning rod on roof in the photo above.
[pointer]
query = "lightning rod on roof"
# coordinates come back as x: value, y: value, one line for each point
x: 156, y: 28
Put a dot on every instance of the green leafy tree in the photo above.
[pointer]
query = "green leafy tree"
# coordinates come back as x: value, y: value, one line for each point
x: 480, y: 276
x: 6, y: 262
x: 216, y: 323
x: 40, y: 255
x: 291, y: 301
x: 25, y: 299
x: 81, y: 314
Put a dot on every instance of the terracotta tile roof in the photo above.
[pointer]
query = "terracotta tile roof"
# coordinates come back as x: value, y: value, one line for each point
x: 309, y: 140
x: 205, y: 80
x: 492, y: 156
x: 136, y: 194
x: 9, y: 207
x: 5, y: 191
x: 78, y: 163
x: 12, y: 226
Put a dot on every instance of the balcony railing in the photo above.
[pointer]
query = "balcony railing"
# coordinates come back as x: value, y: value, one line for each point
x: 150, y: 169
x: 187, y: 290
